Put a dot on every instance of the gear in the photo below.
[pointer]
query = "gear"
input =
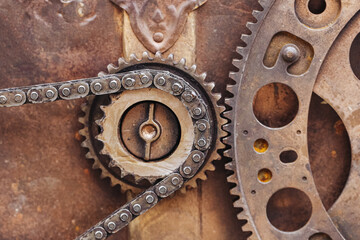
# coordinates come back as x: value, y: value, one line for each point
x: 288, y: 59
x: 139, y: 136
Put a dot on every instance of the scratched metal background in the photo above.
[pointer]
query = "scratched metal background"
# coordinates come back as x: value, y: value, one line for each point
x: 48, y: 190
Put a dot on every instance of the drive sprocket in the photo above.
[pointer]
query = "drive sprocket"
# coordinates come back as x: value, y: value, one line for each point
x: 162, y: 120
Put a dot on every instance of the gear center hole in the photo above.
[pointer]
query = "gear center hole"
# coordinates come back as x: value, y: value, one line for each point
x: 149, y: 132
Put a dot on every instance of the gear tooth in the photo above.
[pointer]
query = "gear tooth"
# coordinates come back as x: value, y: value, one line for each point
x: 251, y: 26
x: 237, y: 62
x: 133, y: 58
x: 235, y: 191
x: 158, y: 55
x: 240, y: 50
x: 88, y: 155
x: 228, y: 114
x: 247, y: 227
x: 81, y: 120
x: 238, y: 204
x: 83, y: 132
x: 193, y: 184
x: 232, y: 178
x: 146, y: 56
x: 122, y: 63
x: 112, y: 68
x: 246, y: 38
x: 182, y: 63
x: 101, y: 74
x: 170, y: 58
x: 228, y: 152
x: 193, y: 68
x: 232, y: 89
x: 229, y: 166
x: 257, y: 14
x: 102, y: 175
x: 98, y: 122
x: 202, y: 76
x: 234, y: 75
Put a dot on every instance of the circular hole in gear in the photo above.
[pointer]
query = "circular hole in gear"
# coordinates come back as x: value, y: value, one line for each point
x: 264, y: 175
x: 288, y: 156
x: 261, y: 145
x: 320, y: 236
x: 317, y: 6
x: 275, y: 105
x: 354, y: 56
x: 132, y: 122
x: 289, y: 209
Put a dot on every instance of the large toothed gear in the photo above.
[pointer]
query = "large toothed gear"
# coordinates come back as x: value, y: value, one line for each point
x: 293, y: 56
x: 148, y: 129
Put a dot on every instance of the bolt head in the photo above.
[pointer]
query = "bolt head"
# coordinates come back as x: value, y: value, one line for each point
x: 137, y: 208
x: 124, y: 217
x: 66, y: 92
x: 129, y: 82
x: 196, y: 158
x: 201, y: 127
x: 197, y: 111
x: 290, y: 53
x: 50, y: 94
x: 175, y: 181
x: 162, y: 189
x: 161, y: 81
x: 111, y: 226
x: 187, y: 170
x: 3, y: 99
x: 189, y: 96
x: 18, y: 98
x: 34, y: 96
x: 202, y: 142
x: 113, y: 84
x: 81, y: 89
x: 99, y: 235
x: 149, y: 199
x: 97, y: 87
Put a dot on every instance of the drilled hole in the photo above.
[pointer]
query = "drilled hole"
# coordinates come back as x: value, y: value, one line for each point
x: 264, y: 175
x: 275, y: 105
x: 354, y: 56
x: 288, y: 156
x: 261, y: 145
x: 317, y: 6
x: 320, y: 236
x: 289, y: 209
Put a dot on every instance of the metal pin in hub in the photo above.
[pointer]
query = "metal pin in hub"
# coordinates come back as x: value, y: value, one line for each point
x: 149, y: 199
x: 66, y: 92
x: 137, y: 208
x: 97, y: 87
x: 18, y: 98
x: 175, y: 181
x: 176, y: 87
x: 290, y: 53
x: 113, y: 84
x: 34, y: 96
x: 187, y: 170
x: 161, y: 81
x: 124, y: 217
x: 50, y: 94
x: 202, y: 142
x: 144, y: 79
x: 111, y: 226
x: 99, y: 235
x: 3, y: 99
x: 81, y: 89
x: 196, y: 158
x: 201, y: 127
x: 129, y: 82
x: 162, y: 189
x: 197, y: 111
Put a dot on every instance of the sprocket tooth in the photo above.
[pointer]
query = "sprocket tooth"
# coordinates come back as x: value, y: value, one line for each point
x: 232, y: 178
x: 202, y: 76
x: 133, y: 58
x: 122, y: 63
x: 146, y: 56
x: 235, y: 191
x: 88, y: 155
x: 158, y: 56
x: 112, y: 68
x: 237, y: 63
x: 101, y: 74
x: 193, y: 68
x: 228, y: 152
x: 182, y: 63
x: 230, y: 166
x: 238, y: 204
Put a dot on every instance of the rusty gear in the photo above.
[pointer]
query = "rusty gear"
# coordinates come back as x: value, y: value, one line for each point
x: 136, y: 170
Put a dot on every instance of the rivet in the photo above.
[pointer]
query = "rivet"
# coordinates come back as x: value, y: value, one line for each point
x: 129, y: 82
x: 50, y: 94
x: 18, y: 98
x: 124, y: 217
x: 3, y: 99
x: 137, y: 208
x: 201, y: 127
x: 97, y: 87
x: 161, y: 81
x: 175, y: 181
x: 113, y: 84
x: 111, y: 226
x: 197, y: 111
x: 196, y: 158
x: 99, y: 235
x: 149, y: 199
x: 189, y: 96
x: 34, y: 95
x: 162, y: 189
x: 202, y: 142
x: 144, y: 79
x: 81, y: 89
x: 66, y: 92
x: 176, y: 87
x: 290, y: 53
x: 187, y: 170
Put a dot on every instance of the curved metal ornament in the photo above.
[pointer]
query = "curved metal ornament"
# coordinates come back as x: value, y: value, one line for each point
x: 158, y: 24
x: 246, y: 129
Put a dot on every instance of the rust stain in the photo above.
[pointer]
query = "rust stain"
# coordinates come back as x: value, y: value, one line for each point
x: 339, y: 127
